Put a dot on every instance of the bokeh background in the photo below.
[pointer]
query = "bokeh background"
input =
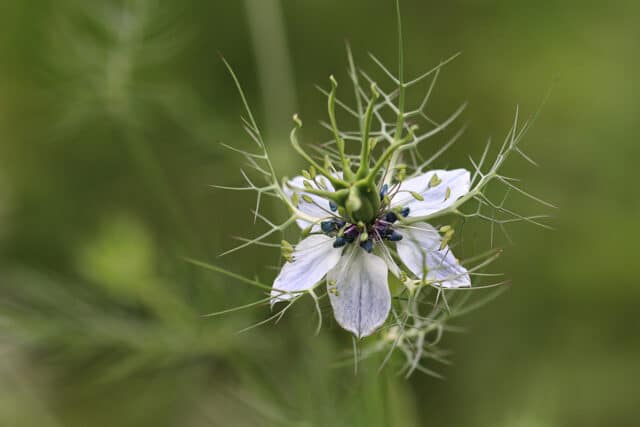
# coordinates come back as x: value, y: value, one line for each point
x: 110, y: 117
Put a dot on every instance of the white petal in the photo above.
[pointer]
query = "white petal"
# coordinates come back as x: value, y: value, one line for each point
x: 388, y: 259
x: 313, y: 257
x: 314, y: 209
x: 454, y: 184
x: 362, y: 302
x: 420, y: 249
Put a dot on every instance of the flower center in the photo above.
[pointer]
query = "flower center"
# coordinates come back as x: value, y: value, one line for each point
x: 366, y: 235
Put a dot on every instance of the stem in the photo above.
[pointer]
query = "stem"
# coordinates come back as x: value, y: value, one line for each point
x: 354, y: 78
x: 337, y: 182
x: 401, y: 95
x: 331, y: 107
x: 275, y: 72
x: 334, y: 196
x: 391, y: 151
x: 365, y: 150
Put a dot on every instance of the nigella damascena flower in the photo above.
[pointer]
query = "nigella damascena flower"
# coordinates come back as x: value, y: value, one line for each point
x: 355, y: 256
x: 372, y: 207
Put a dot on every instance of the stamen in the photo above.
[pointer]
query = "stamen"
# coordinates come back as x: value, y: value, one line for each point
x: 395, y: 236
x: 339, y: 242
x: 328, y: 226
x: 391, y: 217
x: 367, y: 245
x: 351, y: 233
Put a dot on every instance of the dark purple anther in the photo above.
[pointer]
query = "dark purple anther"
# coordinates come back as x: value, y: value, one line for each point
x: 381, y: 227
x: 339, y: 242
x: 405, y: 212
x: 367, y: 245
x: 395, y: 236
x: 327, y: 226
x: 391, y: 217
x: 351, y: 232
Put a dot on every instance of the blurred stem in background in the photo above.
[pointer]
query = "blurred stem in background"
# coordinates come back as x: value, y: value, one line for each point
x: 273, y: 61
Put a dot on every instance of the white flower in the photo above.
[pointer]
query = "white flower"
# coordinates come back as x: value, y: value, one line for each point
x: 356, y: 260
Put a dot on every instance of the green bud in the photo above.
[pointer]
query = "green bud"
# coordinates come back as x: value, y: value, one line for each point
x: 295, y: 199
x: 286, y: 246
x: 448, y: 235
x: 445, y: 228
x: 307, y: 198
x: 374, y: 90
x: 417, y: 196
x: 322, y: 183
x: 307, y: 184
x: 331, y: 285
x: 364, y: 236
x: 447, y: 193
x: 312, y: 172
x: 434, y: 181
x: 306, y: 174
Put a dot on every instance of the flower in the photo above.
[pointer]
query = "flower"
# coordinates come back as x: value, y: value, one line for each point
x: 355, y: 257
x: 366, y: 215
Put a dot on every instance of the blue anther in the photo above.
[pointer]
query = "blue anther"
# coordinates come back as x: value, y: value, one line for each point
x: 339, y: 242
x: 391, y: 217
x: 383, y: 191
x: 367, y: 245
x: 327, y: 226
x: 405, y: 212
x: 395, y: 236
x: 333, y: 206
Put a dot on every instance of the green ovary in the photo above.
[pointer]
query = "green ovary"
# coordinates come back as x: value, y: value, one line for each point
x: 363, y: 202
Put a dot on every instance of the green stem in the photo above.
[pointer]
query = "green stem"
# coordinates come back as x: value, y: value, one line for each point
x: 337, y: 182
x: 365, y: 149
x: 401, y: 95
x: 331, y: 108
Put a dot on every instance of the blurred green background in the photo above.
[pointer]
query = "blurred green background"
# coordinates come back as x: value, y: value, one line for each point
x: 110, y: 118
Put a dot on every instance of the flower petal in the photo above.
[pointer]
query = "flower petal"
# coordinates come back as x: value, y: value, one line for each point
x: 420, y: 249
x: 313, y: 257
x: 439, y: 188
x: 361, y: 300
x: 319, y: 209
